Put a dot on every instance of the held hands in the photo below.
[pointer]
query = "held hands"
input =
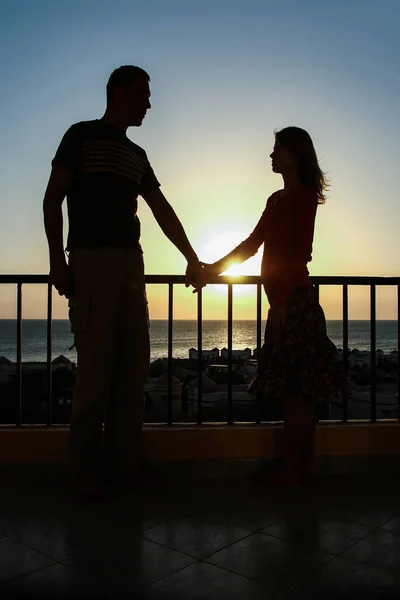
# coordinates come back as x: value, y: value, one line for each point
x: 210, y: 272
x: 198, y: 274
x: 195, y: 275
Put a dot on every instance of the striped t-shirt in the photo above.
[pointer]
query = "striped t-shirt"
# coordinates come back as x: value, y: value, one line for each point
x: 110, y: 172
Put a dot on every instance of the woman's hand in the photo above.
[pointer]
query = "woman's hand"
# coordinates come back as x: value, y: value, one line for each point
x: 210, y: 270
x: 277, y: 319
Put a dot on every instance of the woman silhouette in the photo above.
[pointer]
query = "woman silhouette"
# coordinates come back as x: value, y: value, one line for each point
x: 298, y: 363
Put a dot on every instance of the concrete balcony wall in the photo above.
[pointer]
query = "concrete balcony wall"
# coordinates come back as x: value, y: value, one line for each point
x: 210, y: 442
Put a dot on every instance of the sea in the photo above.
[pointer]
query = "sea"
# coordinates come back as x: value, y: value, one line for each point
x: 215, y: 335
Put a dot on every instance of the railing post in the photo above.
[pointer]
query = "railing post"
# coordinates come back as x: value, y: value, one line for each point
x: 259, y: 318
x: 49, y: 351
x: 373, y: 353
x: 19, y: 353
x: 398, y: 352
x: 170, y: 332
x: 316, y: 287
x: 345, y: 345
x: 230, y: 327
x: 259, y: 327
x: 199, y: 357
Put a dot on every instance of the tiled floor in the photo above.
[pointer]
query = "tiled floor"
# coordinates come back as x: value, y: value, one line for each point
x: 215, y: 539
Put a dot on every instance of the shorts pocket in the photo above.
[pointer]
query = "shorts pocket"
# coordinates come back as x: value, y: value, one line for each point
x: 79, y: 313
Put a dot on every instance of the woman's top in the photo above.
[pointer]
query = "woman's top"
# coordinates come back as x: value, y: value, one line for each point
x: 286, y: 228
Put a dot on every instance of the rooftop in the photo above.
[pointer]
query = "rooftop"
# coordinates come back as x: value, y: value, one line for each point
x: 224, y: 538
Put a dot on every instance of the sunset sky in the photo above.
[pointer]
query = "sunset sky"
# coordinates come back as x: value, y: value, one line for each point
x: 224, y: 75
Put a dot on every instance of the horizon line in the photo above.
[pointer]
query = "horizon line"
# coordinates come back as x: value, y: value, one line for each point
x: 166, y: 319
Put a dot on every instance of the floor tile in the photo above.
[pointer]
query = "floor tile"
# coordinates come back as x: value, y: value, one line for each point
x: 330, y: 535
x: 108, y: 546
x: 143, y: 565
x: 26, y: 513
x: 370, y: 515
x: 197, y: 537
x: 75, y: 537
x: 254, y: 519
x: 278, y: 563
x: 202, y: 581
x: 347, y: 579
x: 56, y: 581
x: 258, y: 508
x: 17, y: 521
x: 60, y: 582
x: 380, y: 549
x: 343, y: 592
x: 17, y: 560
x: 393, y: 525
x: 352, y: 573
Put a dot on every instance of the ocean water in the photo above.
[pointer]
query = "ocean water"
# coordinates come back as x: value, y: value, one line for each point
x: 215, y: 335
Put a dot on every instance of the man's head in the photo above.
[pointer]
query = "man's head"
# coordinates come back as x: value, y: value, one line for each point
x: 128, y: 94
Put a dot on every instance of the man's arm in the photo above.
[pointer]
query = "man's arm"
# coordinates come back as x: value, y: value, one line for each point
x: 173, y: 229
x: 57, y: 188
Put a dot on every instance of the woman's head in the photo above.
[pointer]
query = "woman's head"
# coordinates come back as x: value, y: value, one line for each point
x: 294, y: 150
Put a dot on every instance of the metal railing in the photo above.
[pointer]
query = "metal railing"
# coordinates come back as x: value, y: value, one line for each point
x: 230, y: 282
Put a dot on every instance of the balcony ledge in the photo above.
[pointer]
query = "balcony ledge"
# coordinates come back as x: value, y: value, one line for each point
x: 39, y: 444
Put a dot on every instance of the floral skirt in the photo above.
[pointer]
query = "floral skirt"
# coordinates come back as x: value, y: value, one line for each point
x: 304, y: 362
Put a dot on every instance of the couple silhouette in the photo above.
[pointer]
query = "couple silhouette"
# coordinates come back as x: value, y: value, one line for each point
x: 100, y: 271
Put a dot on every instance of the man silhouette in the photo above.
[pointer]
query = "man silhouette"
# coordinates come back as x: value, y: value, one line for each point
x: 102, y: 172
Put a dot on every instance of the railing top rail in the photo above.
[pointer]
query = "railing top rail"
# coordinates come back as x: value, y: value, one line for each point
x: 224, y: 279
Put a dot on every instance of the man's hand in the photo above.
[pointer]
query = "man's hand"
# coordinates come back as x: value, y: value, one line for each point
x: 195, y: 275
x: 207, y: 274
x: 61, y: 277
x: 277, y: 319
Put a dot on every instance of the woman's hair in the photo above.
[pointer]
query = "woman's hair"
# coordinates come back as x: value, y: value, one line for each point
x: 299, y: 143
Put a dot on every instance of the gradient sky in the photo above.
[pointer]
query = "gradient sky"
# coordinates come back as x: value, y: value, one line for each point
x: 224, y: 75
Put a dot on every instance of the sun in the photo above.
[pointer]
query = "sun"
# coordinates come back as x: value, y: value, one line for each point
x: 221, y: 245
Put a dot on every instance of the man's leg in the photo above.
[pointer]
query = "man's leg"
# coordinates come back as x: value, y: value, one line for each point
x: 125, y: 409
x: 94, y: 312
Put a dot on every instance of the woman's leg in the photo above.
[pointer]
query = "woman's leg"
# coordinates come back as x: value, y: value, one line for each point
x: 295, y: 432
x: 299, y: 457
x: 288, y: 472
x: 308, y: 465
